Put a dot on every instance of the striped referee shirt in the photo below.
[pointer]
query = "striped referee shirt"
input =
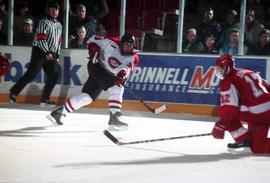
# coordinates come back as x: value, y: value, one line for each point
x: 48, y: 36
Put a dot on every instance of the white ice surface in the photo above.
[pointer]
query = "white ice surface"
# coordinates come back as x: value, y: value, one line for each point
x: 32, y: 150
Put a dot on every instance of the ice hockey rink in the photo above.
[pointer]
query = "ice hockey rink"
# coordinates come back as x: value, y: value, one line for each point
x: 33, y: 150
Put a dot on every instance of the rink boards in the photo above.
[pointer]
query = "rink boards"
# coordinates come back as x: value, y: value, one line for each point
x: 187, y: 84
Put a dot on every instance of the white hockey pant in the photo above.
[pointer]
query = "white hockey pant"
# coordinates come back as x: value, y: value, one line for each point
x: 76, y: 102
x: 115, y: 98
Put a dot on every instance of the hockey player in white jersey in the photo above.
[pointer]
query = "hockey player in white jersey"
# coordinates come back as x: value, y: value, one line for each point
x: 110, y: 63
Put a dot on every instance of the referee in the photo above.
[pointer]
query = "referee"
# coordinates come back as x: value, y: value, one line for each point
x: 45, y: 53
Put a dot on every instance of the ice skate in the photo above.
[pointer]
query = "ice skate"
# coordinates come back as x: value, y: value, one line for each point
x: 115, y: 122
x: 47, y: 103
x: 56, y: 116
x: 12, y: 98
x: 245, y: 143
x: 239, y: 147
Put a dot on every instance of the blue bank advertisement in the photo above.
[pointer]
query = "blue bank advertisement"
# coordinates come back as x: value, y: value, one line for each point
x: 182, y: 79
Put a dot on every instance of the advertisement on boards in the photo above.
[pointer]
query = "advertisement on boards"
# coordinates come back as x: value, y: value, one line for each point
x: 182, y: 79
x: 157, y: 78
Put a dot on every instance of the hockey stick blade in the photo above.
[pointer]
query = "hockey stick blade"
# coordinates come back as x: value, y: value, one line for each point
x: 118, y: 142
x: 155, y: 111
x: 160, y: 109
x: 111, y: 137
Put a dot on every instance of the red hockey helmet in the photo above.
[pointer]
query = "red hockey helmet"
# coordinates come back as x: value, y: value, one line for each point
x: 224, y: 65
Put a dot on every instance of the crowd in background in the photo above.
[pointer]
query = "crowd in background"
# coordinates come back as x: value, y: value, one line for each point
x: 217, y: 32
x: 85, y: 20
x: 213, y: 37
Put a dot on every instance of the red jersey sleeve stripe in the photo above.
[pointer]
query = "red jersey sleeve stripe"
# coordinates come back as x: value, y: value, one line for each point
x: 42, y: 36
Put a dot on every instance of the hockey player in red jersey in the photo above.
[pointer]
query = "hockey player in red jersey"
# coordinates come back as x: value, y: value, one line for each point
x: 5, y: 64
x: 244, y: 97
x: 110, y: 63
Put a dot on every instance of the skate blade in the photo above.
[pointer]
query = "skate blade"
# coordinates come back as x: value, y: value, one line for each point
x: 240, y: 150
x: 49, y: 117
x: 47, y: 105
x: 11, y: 101
x: 117, y: 128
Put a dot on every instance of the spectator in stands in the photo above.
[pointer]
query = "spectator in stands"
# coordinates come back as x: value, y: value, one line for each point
x: 266, y: 4
x: 231, y: 47
x: 94, y: 7
x: 78, y: 20
x: 38, y: 10
x: 191, y: 43
x: 263, y: 46
x: 22, y: 14
x: 258, y: 8
x: 232, y: 23
x: 252, y: 28
x: 79, y: 41
x: 3, y: 36
x: 3, y: 16
x: 100, y: 9
x: 26, y: 36
x: 209, y: 45
x: 100, y: 30
x: 208, y: 26
x: 221, y: 7
x: 91, y: 27
x: 267, y: 22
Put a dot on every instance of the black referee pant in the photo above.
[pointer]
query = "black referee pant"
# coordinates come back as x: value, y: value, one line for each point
x: 37, y: 62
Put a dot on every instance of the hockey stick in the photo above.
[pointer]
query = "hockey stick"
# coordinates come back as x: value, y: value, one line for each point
x: 118, y: 142
x: 153, y: 110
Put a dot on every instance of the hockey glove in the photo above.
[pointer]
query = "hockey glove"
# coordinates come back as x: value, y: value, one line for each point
x: 93, y: 51
x: 5, y: 64
x: 121, y: 78
x: 218, y: 131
